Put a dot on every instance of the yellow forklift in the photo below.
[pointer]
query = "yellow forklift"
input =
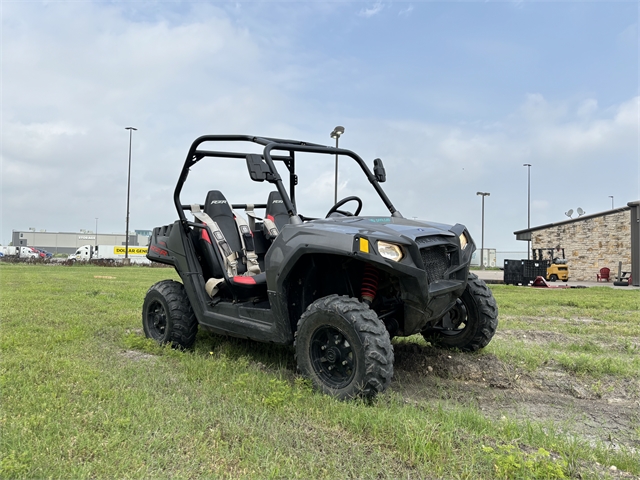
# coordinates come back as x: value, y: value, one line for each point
x: 558, y: 268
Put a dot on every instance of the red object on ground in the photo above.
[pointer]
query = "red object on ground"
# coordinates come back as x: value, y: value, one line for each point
x: 540, y: 282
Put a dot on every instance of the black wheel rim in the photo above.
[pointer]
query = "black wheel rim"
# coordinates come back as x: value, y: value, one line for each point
x: 156, y: 320
x: 332, y: 357
x: 457, y: 319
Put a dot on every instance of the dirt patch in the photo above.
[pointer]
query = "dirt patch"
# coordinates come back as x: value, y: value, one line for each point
x: 544, y: 338
x: 137, y: 356
x: 533, y: 337
x: 606, y: 410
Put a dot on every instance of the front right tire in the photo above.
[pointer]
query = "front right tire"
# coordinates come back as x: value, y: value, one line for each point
x: 167, y: 316
x: 472, y: 322
x: 344, y: 348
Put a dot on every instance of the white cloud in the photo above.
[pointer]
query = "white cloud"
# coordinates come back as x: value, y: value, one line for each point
x: 629, y: 36
x: 406, y: 11
x: 371, y: 11
x: 588, y: 107
x: 563, y: 138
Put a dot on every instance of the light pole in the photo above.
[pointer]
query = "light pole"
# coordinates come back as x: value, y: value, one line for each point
x: 483, y: 194
x: 336, y: 134
x: 126, y: 233
x: 528, y: 165
x: 96, y: 231
x: 611, y: 197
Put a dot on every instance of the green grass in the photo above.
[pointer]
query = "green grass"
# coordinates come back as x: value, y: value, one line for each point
x: 84, y: 394
x: 598, y: 303
x: 602, y: 325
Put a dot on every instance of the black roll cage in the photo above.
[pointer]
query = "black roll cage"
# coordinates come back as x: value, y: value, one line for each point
x: 291, y: 146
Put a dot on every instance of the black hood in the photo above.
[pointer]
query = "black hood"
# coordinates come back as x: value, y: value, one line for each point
x: 391, y: 228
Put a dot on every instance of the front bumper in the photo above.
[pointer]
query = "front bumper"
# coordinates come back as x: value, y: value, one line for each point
x: 435, y: 280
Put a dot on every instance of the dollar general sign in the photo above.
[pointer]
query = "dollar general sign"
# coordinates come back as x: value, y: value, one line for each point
x: 132, y: 250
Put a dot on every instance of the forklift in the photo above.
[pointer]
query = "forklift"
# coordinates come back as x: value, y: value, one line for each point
x: 558, y: 268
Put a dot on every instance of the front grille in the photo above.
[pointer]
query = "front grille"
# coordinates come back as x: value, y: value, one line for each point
x: 436, y: 260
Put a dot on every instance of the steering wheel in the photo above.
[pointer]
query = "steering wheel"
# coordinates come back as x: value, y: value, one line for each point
x: 335, y: 208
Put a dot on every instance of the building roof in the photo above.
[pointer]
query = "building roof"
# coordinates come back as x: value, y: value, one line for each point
x: 526, y: 233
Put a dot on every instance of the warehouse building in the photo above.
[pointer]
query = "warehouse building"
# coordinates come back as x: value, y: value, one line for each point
x: 68, y: 242
x: 592, y: 242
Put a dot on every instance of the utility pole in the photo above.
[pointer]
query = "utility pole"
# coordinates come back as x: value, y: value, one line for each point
x: 483, y: 194
x: 528, y: 165
x: 126, y: 233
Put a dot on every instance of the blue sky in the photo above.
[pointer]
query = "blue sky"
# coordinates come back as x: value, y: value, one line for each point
x: 453, y: 96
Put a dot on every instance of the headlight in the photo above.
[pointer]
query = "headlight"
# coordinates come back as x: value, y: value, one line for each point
x: 463, y: 241
x: 390, y: 251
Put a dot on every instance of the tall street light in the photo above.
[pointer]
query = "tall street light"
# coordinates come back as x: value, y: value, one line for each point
x: 528, y: 165
x: 336, y: 134
x: 483, y: 194
x: 611, y: 197
x: 126, y: 233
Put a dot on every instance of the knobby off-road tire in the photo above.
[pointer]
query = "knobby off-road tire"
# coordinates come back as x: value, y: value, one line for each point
x: 167, y: 316
x: 476, y: 318
x: 344, y: 348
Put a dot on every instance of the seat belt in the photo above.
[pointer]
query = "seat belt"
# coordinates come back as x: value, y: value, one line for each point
x: 246, y: 237
x: 251, y: 215
x: 269, y: 228
x: 230, y: 257
x: 212, y: 286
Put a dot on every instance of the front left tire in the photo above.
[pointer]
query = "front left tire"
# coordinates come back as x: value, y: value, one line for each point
x: 344, y: 348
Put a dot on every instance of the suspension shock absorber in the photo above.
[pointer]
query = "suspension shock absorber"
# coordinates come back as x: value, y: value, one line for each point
x: 370, y: 279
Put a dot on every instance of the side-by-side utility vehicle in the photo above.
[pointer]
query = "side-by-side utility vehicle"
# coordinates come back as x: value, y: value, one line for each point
x: 338, y: 288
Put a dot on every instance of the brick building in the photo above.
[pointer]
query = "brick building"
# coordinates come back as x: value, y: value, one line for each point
x: 594, y: 241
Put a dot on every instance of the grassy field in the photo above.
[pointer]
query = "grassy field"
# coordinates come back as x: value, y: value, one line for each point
x: 84, y: 394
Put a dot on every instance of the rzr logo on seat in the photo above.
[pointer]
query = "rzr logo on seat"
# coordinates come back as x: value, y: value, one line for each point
x: 277, y: 201
x: 158, y: 250
x: 217, y: 202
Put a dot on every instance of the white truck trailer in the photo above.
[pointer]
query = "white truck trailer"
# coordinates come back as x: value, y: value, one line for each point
x: 489, y: 259
x: 20, y: 252
x: 88, y: 253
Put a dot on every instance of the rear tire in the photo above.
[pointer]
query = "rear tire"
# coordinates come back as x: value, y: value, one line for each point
x: 167, y: 316
x: 553, y: 277
x: 344, y: 348
x: 474, y: 319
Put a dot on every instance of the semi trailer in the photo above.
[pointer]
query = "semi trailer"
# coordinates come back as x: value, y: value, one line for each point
x: 88, y: 253
x: 20, y: 252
